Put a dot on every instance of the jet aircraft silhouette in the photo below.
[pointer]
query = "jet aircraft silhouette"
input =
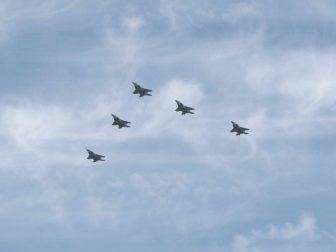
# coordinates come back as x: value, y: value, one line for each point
x: 184, y: 109
x: 140, y: 90
x: 239, y: 130
x: 95, y: 157
x: 119, y: 122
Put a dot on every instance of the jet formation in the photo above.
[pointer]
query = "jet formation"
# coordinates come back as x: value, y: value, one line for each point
x: 180, y: 108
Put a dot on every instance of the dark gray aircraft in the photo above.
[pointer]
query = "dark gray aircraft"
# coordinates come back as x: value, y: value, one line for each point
x: 140, y: 90
x: 183, y: 109
x: 119, y: 122
x: 95, y: 157
x: 239, y: 130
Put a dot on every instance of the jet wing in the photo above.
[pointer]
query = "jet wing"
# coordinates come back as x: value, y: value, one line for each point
x: 99, y: 156
x: 189, y: 108
x: 115, y: 117
x: 244, y: 128
x: 234, y: 124
x: 147, y: 90
x: 90, y: 152
x: 137, y: 86
x: 124, y: 122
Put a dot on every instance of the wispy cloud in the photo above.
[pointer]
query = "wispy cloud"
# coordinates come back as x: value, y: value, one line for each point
x: 299, y: 235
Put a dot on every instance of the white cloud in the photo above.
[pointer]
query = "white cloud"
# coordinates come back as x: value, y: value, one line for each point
x: 302, y: 89
x: 304, y: 231
x: 134, y: 24
x: 13, y: 12
x: 27, y: 124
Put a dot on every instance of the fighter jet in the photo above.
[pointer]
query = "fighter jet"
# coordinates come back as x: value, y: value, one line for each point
x: 140, y: 90
x: 119, y: 122
x: 95, y: 157
x: 183, y: 109
x: 239, y: 130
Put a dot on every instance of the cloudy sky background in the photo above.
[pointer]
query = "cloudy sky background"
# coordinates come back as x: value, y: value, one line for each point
x: 170, y: 183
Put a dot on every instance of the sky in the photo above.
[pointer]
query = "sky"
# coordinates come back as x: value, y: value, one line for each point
x: 170, y: 182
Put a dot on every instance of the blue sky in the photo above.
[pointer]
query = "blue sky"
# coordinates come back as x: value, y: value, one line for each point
x: 170, y: 183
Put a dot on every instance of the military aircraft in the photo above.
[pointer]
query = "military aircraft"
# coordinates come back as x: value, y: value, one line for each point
x: 95, y: 157
x: 239, y: 130
x: 184, y: 109
x: 119, y: 122
x: 140, y: 90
